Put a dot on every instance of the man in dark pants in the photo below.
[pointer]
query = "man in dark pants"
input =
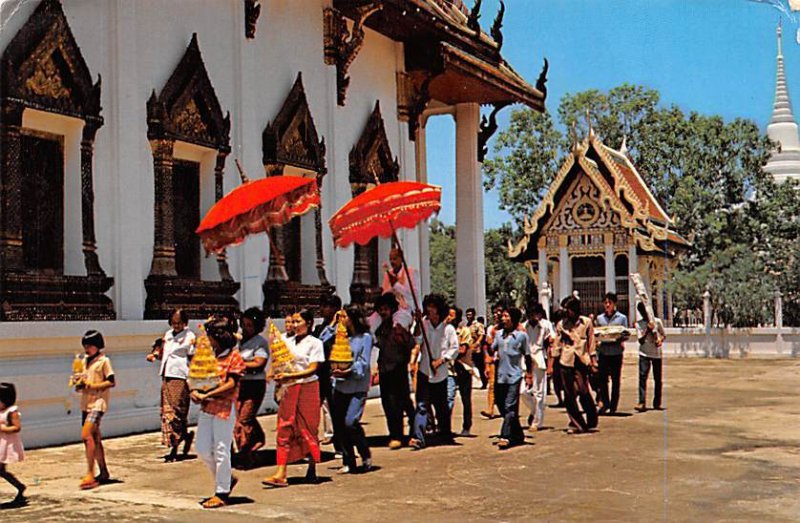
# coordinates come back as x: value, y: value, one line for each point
x: 329, y: 305
x: 651, y: 338
x: 460, y: 373
x: 395, y: 345
x: 477, y: 333
x: 432, y: 373
x: 610, y: 356
x: 511, y: 346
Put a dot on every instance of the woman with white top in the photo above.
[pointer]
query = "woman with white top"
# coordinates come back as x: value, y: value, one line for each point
x: 254, y: 349
x: 298, y: 413
x: 177, y: 348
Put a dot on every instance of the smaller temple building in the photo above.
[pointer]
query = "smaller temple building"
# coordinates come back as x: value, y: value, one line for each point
x: 598, y: 223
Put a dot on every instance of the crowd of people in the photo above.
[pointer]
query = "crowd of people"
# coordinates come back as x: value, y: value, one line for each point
x: 433, y: 353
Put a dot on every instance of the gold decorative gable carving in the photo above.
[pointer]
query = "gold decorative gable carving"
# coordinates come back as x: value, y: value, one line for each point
x: 42, y: 67
x: 187, y: 109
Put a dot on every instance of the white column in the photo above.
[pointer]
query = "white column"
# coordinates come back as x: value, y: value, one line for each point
x: 611, y: 276
x: 633, y: 266
x: 564, y: 273
x: 424, y: 233
x: 542, y: 265
x: 470, y: 265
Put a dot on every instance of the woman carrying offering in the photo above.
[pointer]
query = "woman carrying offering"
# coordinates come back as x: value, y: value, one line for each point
x: 350, y: 389
x: 217, y: 415
x: 298, y: 413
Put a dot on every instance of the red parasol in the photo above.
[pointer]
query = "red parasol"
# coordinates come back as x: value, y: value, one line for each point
x: 383, y: 209
x: 254, y: 207
x: 379, y: 212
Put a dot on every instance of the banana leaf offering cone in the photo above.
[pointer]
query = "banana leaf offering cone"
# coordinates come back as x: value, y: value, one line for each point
x: 341, y: 354
x: 203, y: 371
x: 281, y: 358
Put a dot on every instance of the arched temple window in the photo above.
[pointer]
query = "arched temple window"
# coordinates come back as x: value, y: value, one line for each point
x: 291, y: 147
x: 190, y: 140
x: 50, y: 117
x: 371, y: 161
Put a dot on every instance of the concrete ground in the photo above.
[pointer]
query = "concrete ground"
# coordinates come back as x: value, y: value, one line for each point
x: 727, y: 448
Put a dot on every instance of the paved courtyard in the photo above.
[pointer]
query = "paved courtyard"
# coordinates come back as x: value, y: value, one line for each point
x: 726, y: 448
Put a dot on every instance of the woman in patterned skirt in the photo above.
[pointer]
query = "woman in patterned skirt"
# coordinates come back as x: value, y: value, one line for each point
x: 175, y: 351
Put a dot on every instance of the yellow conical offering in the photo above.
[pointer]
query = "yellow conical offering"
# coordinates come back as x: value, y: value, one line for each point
x: 341, y: 355
x: 203, y: 371
x: 281, y: 358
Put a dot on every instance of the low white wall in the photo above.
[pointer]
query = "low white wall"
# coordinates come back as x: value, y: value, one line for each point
x: 37, y: 358
x: 733, y: 343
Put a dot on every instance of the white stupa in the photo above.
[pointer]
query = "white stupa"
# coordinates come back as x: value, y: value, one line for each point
x: 784, y: 163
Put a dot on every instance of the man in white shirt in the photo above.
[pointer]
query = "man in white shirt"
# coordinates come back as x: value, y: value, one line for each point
x: 432, y: 373
x: 650, y: 333
x: 395, y: 280
x: 540, y: 334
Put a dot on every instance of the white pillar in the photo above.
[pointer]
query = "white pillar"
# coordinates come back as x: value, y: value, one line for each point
x: 633, y: 266
x: 778, y: 309
x: 611, y: 276
x: 707, y: 311
x: 470, y: 265
x: 564, y: 272
x: 542, y: 264
x: 424, y: 233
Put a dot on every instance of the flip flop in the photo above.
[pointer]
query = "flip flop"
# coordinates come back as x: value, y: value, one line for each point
x: 213, y: 502
x: 274, y: 482
x: 89, y: 484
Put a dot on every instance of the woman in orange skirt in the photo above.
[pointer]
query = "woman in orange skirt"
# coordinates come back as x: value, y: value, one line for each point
x: 298, y: 413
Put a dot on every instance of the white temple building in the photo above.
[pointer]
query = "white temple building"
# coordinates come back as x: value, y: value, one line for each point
x: 121, y: 121
x: 785, y: 161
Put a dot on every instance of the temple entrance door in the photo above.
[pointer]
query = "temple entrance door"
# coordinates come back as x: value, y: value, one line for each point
x: 623, y: 297
x: 588, y: 278
x: 186, y: 217
x: 43, y: 212
x: 293, y: 249
x: 374, y: 264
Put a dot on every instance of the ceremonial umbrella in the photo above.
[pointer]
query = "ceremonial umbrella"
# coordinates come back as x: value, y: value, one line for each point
x: 379, y: 212
x: 254, y: 207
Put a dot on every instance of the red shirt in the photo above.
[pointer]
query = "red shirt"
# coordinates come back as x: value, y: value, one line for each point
x: 229, y: 364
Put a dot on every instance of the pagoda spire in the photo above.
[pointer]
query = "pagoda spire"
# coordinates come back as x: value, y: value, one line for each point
x: 782, y: 126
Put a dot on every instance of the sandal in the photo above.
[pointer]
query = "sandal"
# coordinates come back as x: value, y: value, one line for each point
x: 89, y: 483
x: 274, y: 482
x: 213, y: 502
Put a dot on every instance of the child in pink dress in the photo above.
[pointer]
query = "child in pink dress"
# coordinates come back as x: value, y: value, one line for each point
x: 11, y: 450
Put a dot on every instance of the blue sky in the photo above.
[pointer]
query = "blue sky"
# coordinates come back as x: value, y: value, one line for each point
x: 709, y: 56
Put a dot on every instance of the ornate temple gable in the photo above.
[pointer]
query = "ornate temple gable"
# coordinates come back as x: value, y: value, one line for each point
x: 43, y: 68
x: 372, y: 157
x: 616, y: 187
x: 580, y: 209
x: 187, y: 108
x: 291, y: 138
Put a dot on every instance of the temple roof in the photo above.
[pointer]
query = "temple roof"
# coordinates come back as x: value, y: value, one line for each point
x: 445, y: 42
x: 621, y: 188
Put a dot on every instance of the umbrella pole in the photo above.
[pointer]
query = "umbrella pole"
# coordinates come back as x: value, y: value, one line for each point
x: 413, y: 294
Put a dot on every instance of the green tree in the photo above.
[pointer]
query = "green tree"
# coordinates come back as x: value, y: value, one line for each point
x: 443, y: 259
x: 505, y: 280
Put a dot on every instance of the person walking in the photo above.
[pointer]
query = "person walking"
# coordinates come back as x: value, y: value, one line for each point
x: 254, y: 350
x: 329, y: 305
x: 575, y: 348
x: 432, y: 373
x: 489, y: 359
x: 459, y: 377
x: 510, y: 345
x: 395, y: 345
x: 175, y: 352
x: 650, y: 333
x: 610, y: 356
x: 350, y: 389
x: 540, y: 336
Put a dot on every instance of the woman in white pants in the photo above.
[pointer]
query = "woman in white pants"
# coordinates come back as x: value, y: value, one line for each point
x: 534, y: 391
